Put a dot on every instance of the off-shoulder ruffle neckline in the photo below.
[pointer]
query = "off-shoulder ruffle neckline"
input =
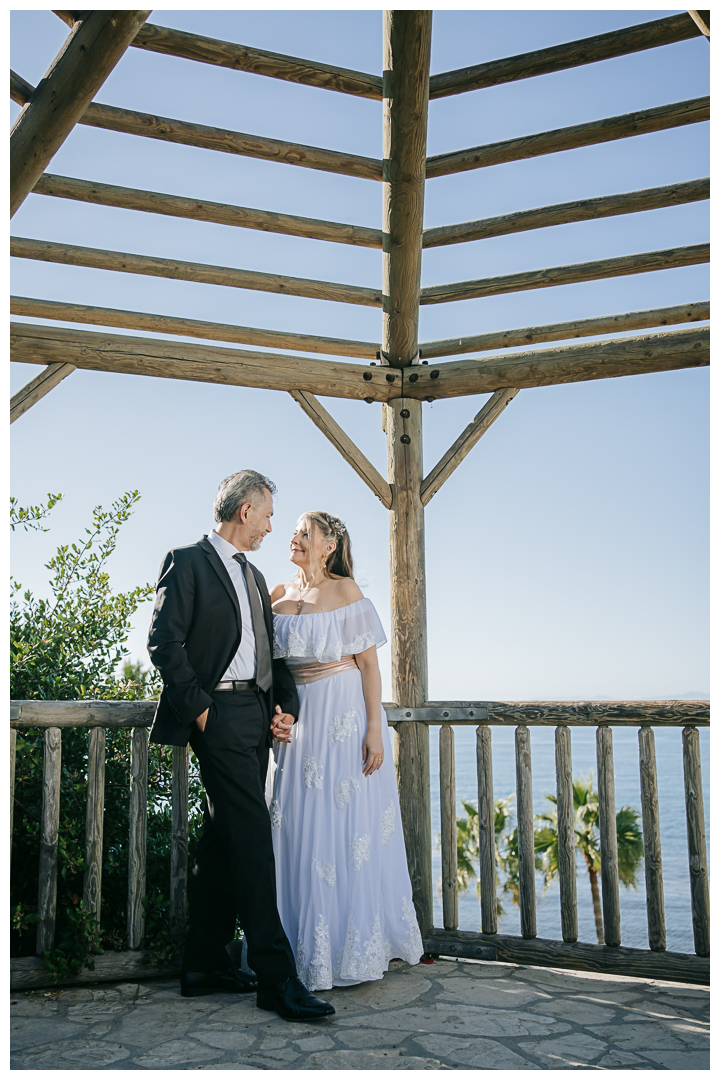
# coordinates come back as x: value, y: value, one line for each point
x: 300, y: 614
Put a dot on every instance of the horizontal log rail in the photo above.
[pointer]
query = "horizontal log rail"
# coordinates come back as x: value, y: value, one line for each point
x: 609, y: 359
x: 643, y: 122
x: 532, y: 335
x: 543, y: 217
x: 643, y: 263
x: 241, y: 217
x: 171, y: 324
x: 178, y: 270
x: 228, y: 54
x: 131, y: 355
x: 631, y: 39
x: 131, y: 122
x: 127, y: 714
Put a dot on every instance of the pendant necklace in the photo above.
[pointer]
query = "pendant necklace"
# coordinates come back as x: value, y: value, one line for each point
x: 304, y: 592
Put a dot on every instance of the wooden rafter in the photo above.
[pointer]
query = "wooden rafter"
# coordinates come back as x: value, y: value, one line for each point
x: 643, y: 263
x: 71, y: 255
x: 243, y: 217
x: 464, y: 443
x: 170, y: 324
x: 37, y: 388
x: 344, y: 445
x: 88, y: 56
x: 631, y: 39
x: 678, y: 114
x: 533, y: 335
x: 631, y: 202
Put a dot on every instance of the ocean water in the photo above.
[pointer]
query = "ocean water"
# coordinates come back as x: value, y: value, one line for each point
x: 671, y: 797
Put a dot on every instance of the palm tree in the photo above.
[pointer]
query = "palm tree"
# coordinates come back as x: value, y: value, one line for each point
x: 587, y: 839
x: 468, y: 845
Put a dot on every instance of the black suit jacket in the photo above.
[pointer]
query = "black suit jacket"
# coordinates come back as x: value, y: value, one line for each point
x: 195, y: 632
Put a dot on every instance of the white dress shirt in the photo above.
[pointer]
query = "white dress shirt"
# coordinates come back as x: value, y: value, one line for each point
x: 244, y: 663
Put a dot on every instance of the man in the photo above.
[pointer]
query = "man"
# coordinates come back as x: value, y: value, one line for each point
x: 211, y: 639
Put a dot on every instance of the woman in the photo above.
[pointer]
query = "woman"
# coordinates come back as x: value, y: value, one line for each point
x: 344, y: 892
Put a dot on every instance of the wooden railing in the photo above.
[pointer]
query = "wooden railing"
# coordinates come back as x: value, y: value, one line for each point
x: 655, y: 962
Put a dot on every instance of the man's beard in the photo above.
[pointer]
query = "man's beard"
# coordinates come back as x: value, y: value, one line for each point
x: 256, y: 542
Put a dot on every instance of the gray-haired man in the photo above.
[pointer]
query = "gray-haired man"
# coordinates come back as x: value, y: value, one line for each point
x: 211, y: 639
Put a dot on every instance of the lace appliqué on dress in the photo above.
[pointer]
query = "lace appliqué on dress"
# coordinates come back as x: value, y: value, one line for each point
x: 344, y: 792
x: 326, y: 871
x: 317, y: 975
x: 275, y: 815
x: 362, y: 642
x: 367, y: 962
x: 388, y: 824
x: 342, y: 727
x: 312, y: 772
x: 412, y: 946
x: 359, y: 850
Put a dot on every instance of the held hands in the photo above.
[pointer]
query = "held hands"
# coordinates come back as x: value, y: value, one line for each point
x: 373, y: 752
x: 281, y: 725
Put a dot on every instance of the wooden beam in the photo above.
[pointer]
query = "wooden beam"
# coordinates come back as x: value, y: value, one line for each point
x: 41, y: 385
x: 406, y: 67
x: 643, y: 263
x: 131, y: 122
x: 355, y: 458
x: 464, y: 443
x: 243, y: 217
x: 643, y: 122
x: 68, y: 254
x: 532, y: 335
x: 669, y: 351
x: 20, y: 90
x: 631, y: 39
x: 35, y: 344
x: 631, y: 202
x: 228, y: 54
x: 702, y: 21
x: 170, y: 324
x: 90, y: 53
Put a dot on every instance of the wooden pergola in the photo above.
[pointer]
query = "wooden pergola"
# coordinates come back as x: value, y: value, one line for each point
x: 397, y: 370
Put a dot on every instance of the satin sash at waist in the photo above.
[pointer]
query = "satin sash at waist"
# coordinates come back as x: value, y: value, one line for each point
x: 314, y: 671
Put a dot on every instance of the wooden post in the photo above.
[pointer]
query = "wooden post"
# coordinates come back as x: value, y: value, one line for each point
x: 49, y: 824
x: 406, y: 67
x: 13, y: 746
x: 651, y: 840
x: 179, y: 849
x: 608, y: 836
x: 695, y: 817
x: 448, y: 828
x: 90, y: 53
x: 138, y: 837
x: 486, y: 830
x: 92, y: 884
x: 526, y: 832
x: 566, y: 833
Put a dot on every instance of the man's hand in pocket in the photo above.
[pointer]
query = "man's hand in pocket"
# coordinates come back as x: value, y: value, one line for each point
x: 202, y: 720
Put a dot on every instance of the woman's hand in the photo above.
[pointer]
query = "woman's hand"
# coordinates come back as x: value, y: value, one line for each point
x: 373, y: 752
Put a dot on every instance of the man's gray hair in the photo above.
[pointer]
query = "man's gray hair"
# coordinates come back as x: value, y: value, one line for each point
x: 242, y: 487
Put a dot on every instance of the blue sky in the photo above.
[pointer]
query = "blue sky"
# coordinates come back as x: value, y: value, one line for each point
x: 567, y: 556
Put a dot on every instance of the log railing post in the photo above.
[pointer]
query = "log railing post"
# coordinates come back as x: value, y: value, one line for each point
x: 697, y: 854
x: 138, y: 836
x: 49, y: 826
x: 486, y: 831
x: 526, y: 832
x: 179, y: 849
x: 608, y: 836
x: 448, y: 828
x: 92, y: 883
x: 406, y: 73
x: 566, y: 833
x: 13, y: 747
x: 651, y: 840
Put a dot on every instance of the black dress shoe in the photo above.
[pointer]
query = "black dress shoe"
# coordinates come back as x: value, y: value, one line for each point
x: 293, y: 1001
x: 230, y: 981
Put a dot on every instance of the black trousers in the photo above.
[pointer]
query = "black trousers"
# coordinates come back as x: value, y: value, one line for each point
x: 234, y: 872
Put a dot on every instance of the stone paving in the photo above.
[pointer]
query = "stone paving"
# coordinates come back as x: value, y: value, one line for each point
x: 449, y: 1015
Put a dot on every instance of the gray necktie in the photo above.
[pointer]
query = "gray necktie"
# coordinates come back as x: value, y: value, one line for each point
x: 262, y: 647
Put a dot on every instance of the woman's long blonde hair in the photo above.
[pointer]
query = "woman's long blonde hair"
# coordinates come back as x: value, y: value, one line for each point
x: 339, y: 562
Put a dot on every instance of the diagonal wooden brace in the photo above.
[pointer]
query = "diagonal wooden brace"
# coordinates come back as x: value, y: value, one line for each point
x: 41, y: 385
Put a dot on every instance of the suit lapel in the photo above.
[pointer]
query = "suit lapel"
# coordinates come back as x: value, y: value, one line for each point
x: 217, y: 565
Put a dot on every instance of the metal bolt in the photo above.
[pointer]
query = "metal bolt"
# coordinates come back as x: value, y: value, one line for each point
x: 367, y: 376
x: 405, y: 439
x: 435, y: 374
x: 414, y: 377
x: 429, y: 399
x: 369, y: 400
x: 404, y: 413
x: 390, y: 378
